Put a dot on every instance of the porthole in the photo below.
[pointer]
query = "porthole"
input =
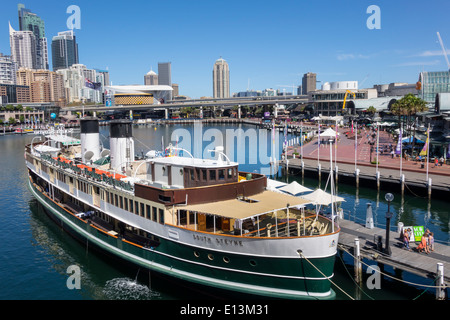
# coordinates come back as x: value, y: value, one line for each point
x: 210, y: 257
x: 253, y: 263
x: 196, y: 254
x: 226, y: 259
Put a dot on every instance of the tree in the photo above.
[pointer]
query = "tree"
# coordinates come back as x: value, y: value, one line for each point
x: 371, y: 110
x: 409, y: 106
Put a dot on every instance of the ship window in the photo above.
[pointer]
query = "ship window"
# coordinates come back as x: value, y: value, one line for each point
x: 253, y: 263
x: 154, y: 214
x: 226, y: 259
x: 148, y: 210
x: 136, y: 207
x: 116, y: 200
x: 204, y: 176
x: 142, y: 210
x: 161, y: 216
x: 230, y: 173
x: 212, y: 175
x: 221, y: 174
x: 131, y: 205
x: 125, y: 202
x: 211, y: 256
x: 196, y: 254
x: 121, y: 202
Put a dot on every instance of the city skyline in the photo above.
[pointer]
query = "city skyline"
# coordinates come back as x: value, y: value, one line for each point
x: 267, y: 45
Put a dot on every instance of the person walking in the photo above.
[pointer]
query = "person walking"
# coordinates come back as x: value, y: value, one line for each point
x: 431, y: 242
x: 406, y: 240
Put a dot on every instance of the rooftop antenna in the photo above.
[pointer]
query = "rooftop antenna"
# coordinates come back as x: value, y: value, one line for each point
x: 444, y: 51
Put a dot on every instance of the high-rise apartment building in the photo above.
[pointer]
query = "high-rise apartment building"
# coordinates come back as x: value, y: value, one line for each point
x: 45, y: 85
x: 308, y: 82
x: 221, y: 79
x: 8, y: 69
x: 64, y: 50
x: 29, y: 21
x: 23, y: 48
x: 151, y: 78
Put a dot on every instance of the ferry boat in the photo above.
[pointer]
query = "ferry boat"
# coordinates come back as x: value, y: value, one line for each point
x: 197, y: 220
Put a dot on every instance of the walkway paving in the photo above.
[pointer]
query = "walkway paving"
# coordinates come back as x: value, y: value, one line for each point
x: 343, y: 154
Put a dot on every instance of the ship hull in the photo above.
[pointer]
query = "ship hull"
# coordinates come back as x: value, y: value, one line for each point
x: 268, y: 276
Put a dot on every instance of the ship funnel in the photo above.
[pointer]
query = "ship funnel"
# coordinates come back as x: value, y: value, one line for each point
x: 90, y: 139
x: 121, y: 144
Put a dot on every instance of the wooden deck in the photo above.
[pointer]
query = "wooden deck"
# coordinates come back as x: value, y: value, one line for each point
x: 421, y: 264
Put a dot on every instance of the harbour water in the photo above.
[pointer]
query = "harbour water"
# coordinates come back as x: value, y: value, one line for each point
x: 36, y: 253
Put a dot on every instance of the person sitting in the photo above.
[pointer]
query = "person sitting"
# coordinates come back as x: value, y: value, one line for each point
x: 423, y: 245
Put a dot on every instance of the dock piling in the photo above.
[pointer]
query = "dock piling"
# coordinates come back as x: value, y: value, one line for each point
x: 357, y: 264
x: 440, y: 288
x: 369, y: 216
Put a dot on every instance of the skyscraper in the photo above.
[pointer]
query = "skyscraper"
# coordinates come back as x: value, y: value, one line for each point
x: 64, y: 50
x: 151, y: 78
x: 221, y: 79
x: 165, y: 75
x: 29, y: 21
x: 308, y: 82
x: 23, y: 48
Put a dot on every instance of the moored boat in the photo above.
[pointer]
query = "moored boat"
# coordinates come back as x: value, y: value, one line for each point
x: 199, y: 220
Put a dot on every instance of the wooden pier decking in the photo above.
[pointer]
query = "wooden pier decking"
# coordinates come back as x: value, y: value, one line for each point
x: 421, y: 264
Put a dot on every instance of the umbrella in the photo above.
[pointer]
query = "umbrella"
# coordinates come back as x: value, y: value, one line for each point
x: 320, y: 197
x: 294, y: 188
x: 274, y: 184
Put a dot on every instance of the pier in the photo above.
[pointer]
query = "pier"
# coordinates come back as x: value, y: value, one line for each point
x: 421, y: 264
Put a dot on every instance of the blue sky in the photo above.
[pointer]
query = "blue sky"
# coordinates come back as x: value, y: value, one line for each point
x: 268, y: 44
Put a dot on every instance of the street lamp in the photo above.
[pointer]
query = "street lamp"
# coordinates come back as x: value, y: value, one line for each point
x: 389, y: 197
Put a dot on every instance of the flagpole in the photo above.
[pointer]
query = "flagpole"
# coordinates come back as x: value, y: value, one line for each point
x: 356, y: 141
x: 428, y: 148
x: 401, y: 150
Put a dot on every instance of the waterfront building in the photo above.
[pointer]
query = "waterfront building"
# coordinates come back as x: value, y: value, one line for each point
x: 431, y: 83
x: 330, y: 102
x: 29, y: 21
x: 308, y: 82
x: 23, y: 48
x: 151, y: 78
x: 64, y: 50
x: 45, y: 85
x: 221, y: 79
x: 8, y: 69
x: 140, y: 94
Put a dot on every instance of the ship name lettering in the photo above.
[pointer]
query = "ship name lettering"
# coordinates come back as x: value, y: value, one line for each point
x: 229, y: 242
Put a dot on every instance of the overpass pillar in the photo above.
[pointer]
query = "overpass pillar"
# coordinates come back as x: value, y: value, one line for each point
x: 166, y: 113
x: 239, y: 111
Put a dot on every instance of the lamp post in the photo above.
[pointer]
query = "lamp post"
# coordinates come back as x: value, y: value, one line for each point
x: 389, y: 197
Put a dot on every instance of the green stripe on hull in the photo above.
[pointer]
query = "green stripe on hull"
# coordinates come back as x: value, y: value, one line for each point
x: 270, y: 277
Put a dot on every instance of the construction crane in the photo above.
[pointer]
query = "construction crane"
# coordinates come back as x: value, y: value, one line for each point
x: 444, y: 51
x: 345, y: 97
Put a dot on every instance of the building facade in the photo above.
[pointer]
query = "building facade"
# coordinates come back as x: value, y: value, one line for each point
x: 308, y: 82
x: 432, y: 83
x: 8, y: 69
x: 221, y: 79
x: 45, y: 85
x: 29, y: 21
x: 64, y: 50
x: 23, y: 48
x: 12, y: 93
x: 74, y: 79
x: 151, y: 78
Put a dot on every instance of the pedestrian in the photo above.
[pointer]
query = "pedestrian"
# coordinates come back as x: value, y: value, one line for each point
x: 431, y: 241
x: 406, y: 240
x: 423, y: 245
x: 441, y: 161
x: 436, y: 162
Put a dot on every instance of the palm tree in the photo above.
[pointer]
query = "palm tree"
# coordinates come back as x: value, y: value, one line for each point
x: 409, y: 105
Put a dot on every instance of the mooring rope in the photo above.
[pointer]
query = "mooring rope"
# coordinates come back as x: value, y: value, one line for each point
x: 302, y: 255
x: 389, y: 276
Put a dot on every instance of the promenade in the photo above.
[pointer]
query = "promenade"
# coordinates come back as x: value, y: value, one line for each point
x: 345, y: 155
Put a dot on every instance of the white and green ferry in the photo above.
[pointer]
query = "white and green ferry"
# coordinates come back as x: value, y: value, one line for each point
x: 197, y: 220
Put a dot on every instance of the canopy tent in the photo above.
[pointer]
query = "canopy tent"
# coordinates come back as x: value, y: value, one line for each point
x: 409, y: 140
x: 262, y: 203
x: 328, y: 133
x: 295, y: 188
x: 320, y: 197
